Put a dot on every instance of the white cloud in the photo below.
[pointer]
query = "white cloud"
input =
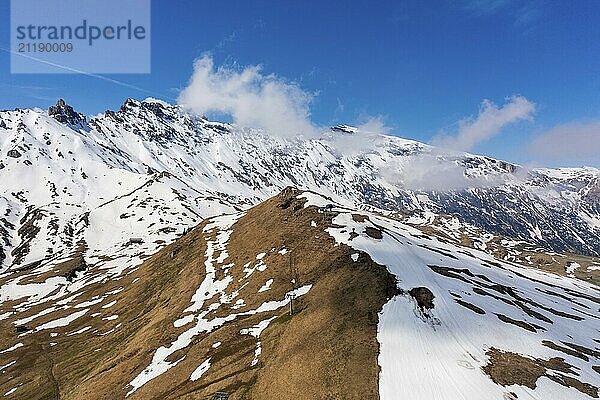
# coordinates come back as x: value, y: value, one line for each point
x: 340, y: 106
x: 374, y: 125
x: 365, y: 139
x: 437, y: 172
x: 488, y: 123
x: 429, y: 173
x: 250, y: 98
x: 571, y: 143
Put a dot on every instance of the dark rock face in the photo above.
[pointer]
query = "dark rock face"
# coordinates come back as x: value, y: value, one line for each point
x: 129, y: 104
x: 373, y: 232
x: 14, y: 153
x: 343, y: 129
x: 64, y: 113
x: 72, y: 273
x: 423, y: 296
x: 514, y: 213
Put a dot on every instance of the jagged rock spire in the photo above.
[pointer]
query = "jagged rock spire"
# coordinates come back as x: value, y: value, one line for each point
x: 64, y: 113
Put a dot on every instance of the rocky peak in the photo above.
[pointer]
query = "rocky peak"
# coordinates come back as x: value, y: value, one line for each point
x: 129, y: 105
x: 64, y: 113
x: 159, y: 108
x: 344, y: 129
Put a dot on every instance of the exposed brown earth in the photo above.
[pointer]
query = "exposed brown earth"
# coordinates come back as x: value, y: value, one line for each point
x: 470, y: 306
x: 423, y: 296
x: 507, y: 368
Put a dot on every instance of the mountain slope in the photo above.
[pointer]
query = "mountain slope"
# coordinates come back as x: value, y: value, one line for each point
x: 215, y: 297
x: 208, y: 313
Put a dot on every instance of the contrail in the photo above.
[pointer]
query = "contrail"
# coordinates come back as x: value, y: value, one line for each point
x: 92, y: 75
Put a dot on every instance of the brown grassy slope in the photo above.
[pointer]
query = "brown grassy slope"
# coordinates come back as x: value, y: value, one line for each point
x: 327, y: 350
x: 93, y: 365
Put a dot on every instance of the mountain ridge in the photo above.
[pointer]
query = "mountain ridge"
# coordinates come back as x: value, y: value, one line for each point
x: 232, y: 168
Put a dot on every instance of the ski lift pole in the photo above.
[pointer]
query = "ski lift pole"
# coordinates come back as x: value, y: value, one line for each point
x: 291, y: 296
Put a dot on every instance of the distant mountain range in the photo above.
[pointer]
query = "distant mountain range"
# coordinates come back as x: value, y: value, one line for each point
x: 64, y: 174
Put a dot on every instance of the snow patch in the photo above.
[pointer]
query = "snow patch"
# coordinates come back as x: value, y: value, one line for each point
x: 183, y: 321
x: 201, y: 370
x: 3, y: 367
x: 571, y: 267
x: 109, y: 305
x: 255, y: 331
x: 60, y: 322
x: 266, y: 286
x: 16, y: 346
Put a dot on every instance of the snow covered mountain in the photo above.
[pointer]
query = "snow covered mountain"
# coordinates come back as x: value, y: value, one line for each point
x: 151, y: 167
x: 86, y: 204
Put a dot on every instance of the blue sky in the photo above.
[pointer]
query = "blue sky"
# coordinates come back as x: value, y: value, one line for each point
x: 421, y: 69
